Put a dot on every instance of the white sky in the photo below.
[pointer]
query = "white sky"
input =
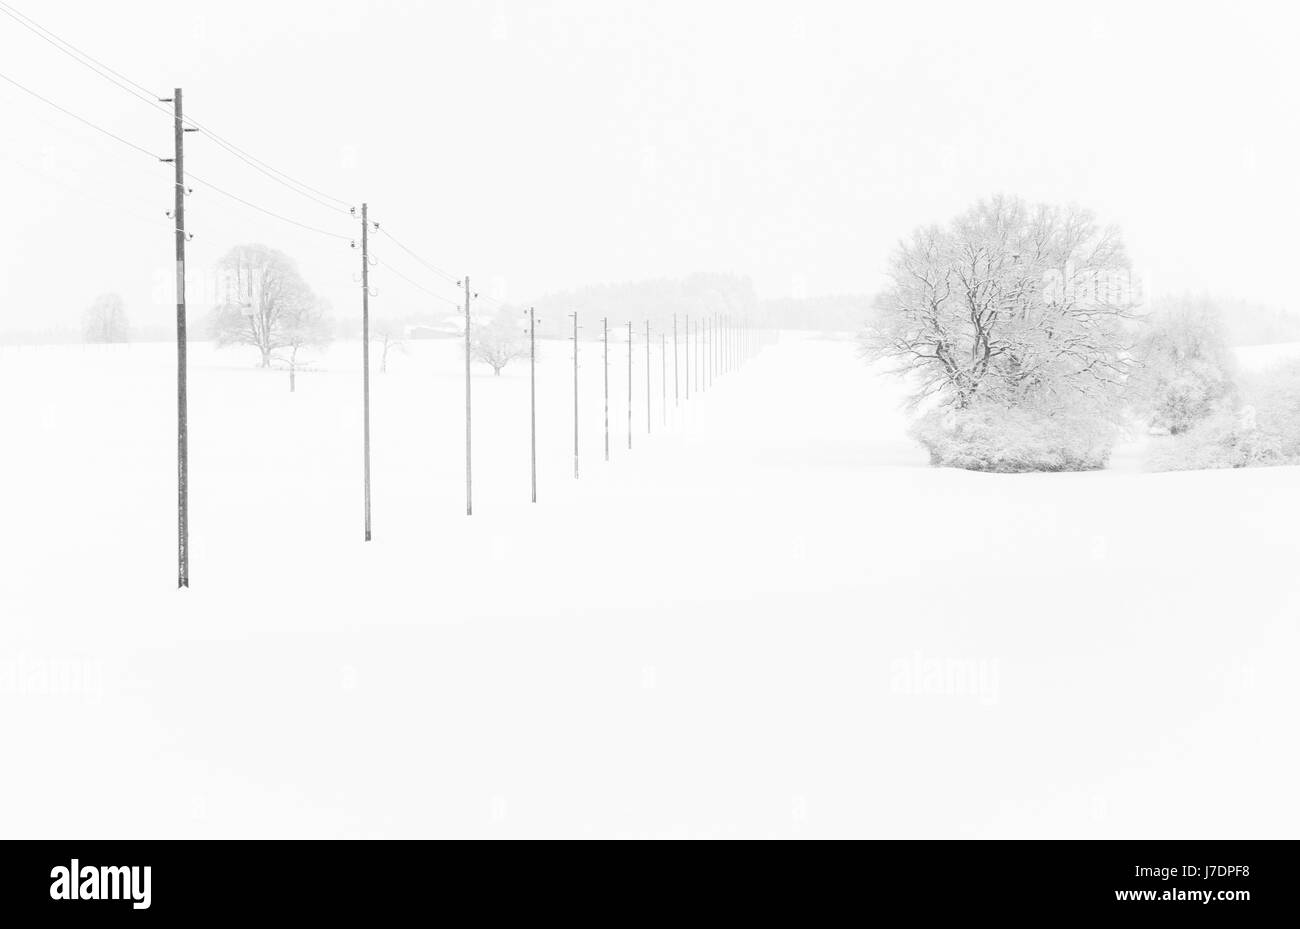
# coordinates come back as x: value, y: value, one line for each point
x: 543, y: 146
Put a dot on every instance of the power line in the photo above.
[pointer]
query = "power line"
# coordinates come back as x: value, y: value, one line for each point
x: 81, y: 119
x: 152, y: 99
x: 283, y: 179
x: 261, y: 209
x: 58, y: 180
x: 420, y: 287
x: 432, y: 267
x: 189, y: 175
x: 96, y: 67
x: 446, y: 275
x: 32, y: 25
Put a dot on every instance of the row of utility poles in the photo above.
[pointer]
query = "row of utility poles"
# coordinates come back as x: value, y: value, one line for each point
x: 721, y: 343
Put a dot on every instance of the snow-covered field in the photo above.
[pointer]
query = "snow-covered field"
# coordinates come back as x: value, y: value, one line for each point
x: 770, y: 618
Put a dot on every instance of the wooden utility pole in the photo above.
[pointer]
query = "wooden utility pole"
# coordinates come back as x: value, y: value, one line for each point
x: 532, y: 394
x: 365, y: 355
x: 629, y: 385
x: 695, y: 369
x: 605, y: 324
x: 708, y: 351
x: 686, y: 347
x: 575, y: 395
x: 713, y: 348
x: 182, y: 361
x: 647, y: 377
x: 676, y: 390
x: 469, y: 432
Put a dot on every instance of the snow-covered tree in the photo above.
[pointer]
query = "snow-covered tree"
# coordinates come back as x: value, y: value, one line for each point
x: 1010, y: 307
x: 304, y: 327
x: 390, y: 336
x: 263, y: 299
x: 498, y: 341
x: 1008, y: 302
x: 104, y: 321
x: 1187, y: 370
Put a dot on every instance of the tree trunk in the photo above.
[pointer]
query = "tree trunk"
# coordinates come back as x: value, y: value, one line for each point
x: 292, y: 384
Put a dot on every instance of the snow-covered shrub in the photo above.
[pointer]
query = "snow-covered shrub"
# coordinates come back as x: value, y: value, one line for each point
x: 1186, y: 370
x: 1010, y: 439
x: 1264, y: 432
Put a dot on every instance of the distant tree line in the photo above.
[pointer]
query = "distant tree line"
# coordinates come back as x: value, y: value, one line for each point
x: 656, y: 300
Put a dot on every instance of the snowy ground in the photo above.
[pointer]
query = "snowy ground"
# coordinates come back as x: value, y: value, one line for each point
x: 769, y: 619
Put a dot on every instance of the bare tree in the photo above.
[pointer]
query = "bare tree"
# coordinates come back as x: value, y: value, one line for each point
x: 391, y: 337
x: 104, y: 321
x: 264, y: 299
x: 307, y: 327
x: 1009, y: 304
x: 499, y: 341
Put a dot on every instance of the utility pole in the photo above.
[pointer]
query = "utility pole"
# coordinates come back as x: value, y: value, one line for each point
x: 469, y: 432
x: 365, y: 354
x: 686, y: 347
x: 714, y: 342
x: 676, y: 390
x: 647, y: 377
x: 605, y: 324
x: 708, y: 349
x: 695, y: 368
x: 182, y: 359
x: 629, y: 385
x: 663, y: 375
x: 575, y: 394
x: 706, y: 362
x: 532, y: 394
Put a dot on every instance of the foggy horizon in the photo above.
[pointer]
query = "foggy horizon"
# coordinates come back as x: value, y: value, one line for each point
x: 793, y: 148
